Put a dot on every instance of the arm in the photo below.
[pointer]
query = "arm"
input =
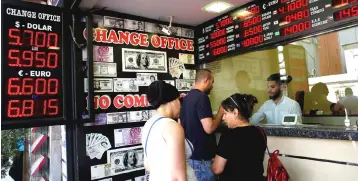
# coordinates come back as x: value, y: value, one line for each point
x: 219, y: 164
x: 258, y: 116
x: 174, y: 137
x: 220, y: 160
x: 205, y: 114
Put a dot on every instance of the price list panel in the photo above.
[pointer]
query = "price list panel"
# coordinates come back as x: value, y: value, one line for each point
x: 31, y: 64
x: 270, y: 22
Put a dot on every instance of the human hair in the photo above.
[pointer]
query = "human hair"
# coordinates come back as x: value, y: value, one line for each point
x: 244, y: 103
x: 277, y: 78
x: 202, y: 74
x: 160, y: 92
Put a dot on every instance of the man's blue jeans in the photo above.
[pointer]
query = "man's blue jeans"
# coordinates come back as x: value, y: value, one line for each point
x: 202, y: 169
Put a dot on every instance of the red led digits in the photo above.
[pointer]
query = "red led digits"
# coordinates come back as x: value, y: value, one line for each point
x: 346, y: 13
x: 297, y: 28
x: 27, y: 108
x: 340, y: 3
x: 219, y: 51
x: 296, y: 16
x: 29, y: 86
x: 50, y: 107
x: 32, y: 59
x: 218, y: 42
x: 252, y: 41
x: 224, y: 22
x: 17, y: 108
x: 253, y: 31
x: 292, y: 6
x: 254, y: 10
x: 13, y: 109
x: 251, y: 21
x: 30, y: 38
x: 218, y: 34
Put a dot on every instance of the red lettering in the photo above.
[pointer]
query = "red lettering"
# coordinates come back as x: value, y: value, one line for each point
x: 123, y: 37
x: 177, y: 44
x: 144, y: 40
x: 128, y: 101
x: 134, y: 39
x: 171, y: 42
x: 112, y: 38
x: 101, y: 35
x: 190, y: 45
x: 95, y: 105
x: 85, y: 33
x: 182, y: 45
x: 104, y: 102
x: 164, y: 41
x: 117, y: 101
x: 155, y: 41
x: 141, y: 101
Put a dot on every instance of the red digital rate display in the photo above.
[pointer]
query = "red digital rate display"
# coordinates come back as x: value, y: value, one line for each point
x: 32, y: 68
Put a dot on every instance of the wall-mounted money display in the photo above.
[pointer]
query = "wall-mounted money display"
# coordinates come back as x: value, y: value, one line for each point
x: 129, y: 54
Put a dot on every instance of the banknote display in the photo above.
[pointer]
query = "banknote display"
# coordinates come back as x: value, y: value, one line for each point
x: 96, y: 145
x: 124, y: 160
x: 127, y: 136
x: 113, y: 22
x: 188, y: 33
x: 134, y: 25
x: 184, y: 84
x: 176, y: 67
x: 100, y: 85
x: 125, y: 85
x: 116, y: 117
x: 101, y: 171
x: 152, y: 113
x: 189, y: 74
x: 100, y: 54
x: 153, y: 28
x: 172, y: 82
x: 138, y: 116
x: 145, y: 79
x: 186, y: 58
x: 101, y: 69
x: 135, y: 60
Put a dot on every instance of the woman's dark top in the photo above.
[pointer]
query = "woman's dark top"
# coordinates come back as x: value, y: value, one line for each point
x: 244, y: 149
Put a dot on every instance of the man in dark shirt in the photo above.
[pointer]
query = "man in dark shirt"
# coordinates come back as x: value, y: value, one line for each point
x: 196, y: 117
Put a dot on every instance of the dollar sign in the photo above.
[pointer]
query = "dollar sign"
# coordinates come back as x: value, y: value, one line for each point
x: 17, y: 24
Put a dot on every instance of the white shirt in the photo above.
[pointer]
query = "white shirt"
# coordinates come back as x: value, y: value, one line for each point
x: 350, y: 103
x: 274, y: 113
x: 156, y: 153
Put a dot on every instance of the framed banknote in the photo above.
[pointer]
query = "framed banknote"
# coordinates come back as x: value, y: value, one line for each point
x: 125, y: 160
x: 184, y: 84
x: 188, y: 33
x: 100, y: 54
x: 140, y: 60
x: 127, y: 136
x: 189, y: 74
x: 103, y: 69
x: 145, y: 79
x: 100, y: 171
x: 116, y: 117
x: 153, y: 28
x: 186, y: 58
x: 113, y: 22
x: 134, y: 25
x: 100, y: 85
x: 138, y: 116
x: 125, y: 85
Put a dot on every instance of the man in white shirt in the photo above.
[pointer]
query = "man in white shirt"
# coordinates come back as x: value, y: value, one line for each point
x: 279, y: 105
x: 350, y: 102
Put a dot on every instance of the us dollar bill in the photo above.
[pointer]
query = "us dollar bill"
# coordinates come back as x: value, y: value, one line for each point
x: 124, y: 160
x: 184, y: 84
x: 186, y: 58
x: 135, y: 60
x: 189, y: 74
x: 127, y: 136
x: 100, y: 85
x: 116, y: 117
x: 138, y: 116
x: 145, y: 79
x: 113, y: 22
x: 101, y: 69
x: 125, y: 85
x: 134, y: 25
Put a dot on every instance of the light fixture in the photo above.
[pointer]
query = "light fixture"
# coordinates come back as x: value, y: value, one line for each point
x: 166, y: 30
x: 217, y: 7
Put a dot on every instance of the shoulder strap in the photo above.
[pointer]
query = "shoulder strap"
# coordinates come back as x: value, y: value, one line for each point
x: 265, y: 138
x: 190, y: 146
x: 146, y: 141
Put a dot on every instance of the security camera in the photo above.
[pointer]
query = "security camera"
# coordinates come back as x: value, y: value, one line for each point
x: 166, y: 30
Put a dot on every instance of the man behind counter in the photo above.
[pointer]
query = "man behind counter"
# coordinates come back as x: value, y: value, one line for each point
x: 196, y: 117
x: 279, y: 105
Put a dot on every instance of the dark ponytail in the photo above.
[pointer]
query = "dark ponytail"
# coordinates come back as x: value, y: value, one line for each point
x: 243, y: 102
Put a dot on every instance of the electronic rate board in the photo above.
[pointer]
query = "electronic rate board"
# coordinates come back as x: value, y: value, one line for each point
x: 31, y: 63
x: 269, y: 22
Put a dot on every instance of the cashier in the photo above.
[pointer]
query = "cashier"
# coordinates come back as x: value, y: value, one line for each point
x: 279, y: 105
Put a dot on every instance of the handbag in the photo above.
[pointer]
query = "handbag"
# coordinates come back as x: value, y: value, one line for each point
x: 275, y: 169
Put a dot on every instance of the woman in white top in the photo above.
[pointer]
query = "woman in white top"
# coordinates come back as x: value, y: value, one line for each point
x: 166, y: 151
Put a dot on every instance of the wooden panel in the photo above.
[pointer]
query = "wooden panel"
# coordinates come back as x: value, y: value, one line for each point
x: 329, y: 55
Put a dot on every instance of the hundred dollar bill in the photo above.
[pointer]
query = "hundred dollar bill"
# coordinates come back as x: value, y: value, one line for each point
x: 134, y: 25
x: 189, y: 74
x: 100, y: 85
x: 145, y: 79
x: 184, y: 84
x: 113, y: 22
x: 124, y: 160
x: 116, y: 117
x: 101, y: 69
x: 186, y: 58
x: 127, y: 136
x: 172, y: 82
x: 135, y: 60
x: 138, y: 116
x: 125, y: 85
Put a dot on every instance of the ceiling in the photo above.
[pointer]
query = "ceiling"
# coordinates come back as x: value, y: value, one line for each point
x: 187, y: 12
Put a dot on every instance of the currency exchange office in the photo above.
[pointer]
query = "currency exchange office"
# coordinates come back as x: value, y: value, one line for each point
x: 79, y: 103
